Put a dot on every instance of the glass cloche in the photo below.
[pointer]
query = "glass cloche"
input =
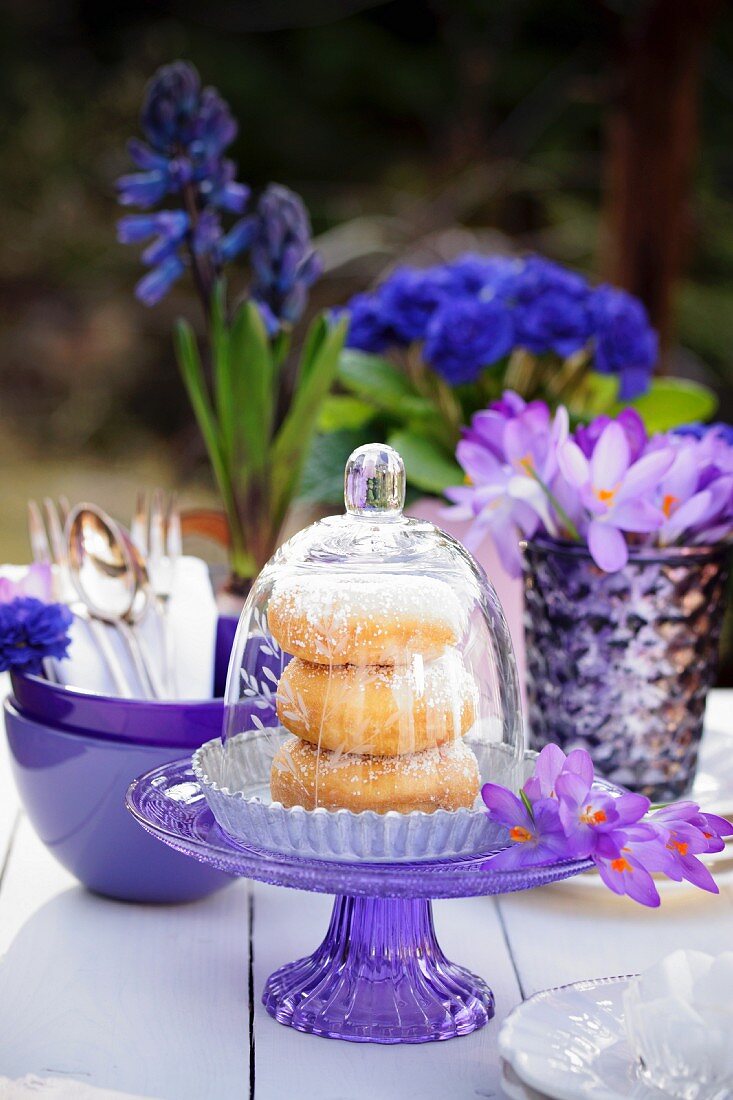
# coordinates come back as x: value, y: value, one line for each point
x: 372, y: 686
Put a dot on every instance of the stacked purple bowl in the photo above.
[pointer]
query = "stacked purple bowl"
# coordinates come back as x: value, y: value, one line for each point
x: 74, y: 754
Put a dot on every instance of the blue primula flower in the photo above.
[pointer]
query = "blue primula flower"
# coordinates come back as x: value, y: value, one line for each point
x: 554, y: 321
x: 410, y: 298
x: 369, y: 329
x: 625, y: 343
x: 498, y: 303
x: 465, y: 336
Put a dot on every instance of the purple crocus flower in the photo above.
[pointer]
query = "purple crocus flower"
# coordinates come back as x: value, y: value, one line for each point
x: 589, y: 814
x: 700, y: 431
x: 491, y: 509
x: 551, y: 764
x: 561, y: 815
x: 684, y: 507
x: 537, y: 837
x: 622, y: 870
x: 686, y: 833
x: 615, y: 492
x: 587, y: 435
x: 510, y: 456
x: 488, y: 426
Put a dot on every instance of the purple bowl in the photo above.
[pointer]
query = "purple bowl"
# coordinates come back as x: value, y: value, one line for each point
x: 178, y: 723
x: 73, y: 788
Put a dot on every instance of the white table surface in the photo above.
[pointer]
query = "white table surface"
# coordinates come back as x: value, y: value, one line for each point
x: 105, y: 999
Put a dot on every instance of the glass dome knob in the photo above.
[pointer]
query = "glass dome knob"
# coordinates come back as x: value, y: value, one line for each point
x: 374, y: 482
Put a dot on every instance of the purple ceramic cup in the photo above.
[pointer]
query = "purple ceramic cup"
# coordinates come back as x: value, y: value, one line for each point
x: 73, y: 788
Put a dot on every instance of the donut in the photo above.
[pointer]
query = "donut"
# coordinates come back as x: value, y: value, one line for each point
x: 380, y: 710
x: 351, y: 619
x: 443, y: 778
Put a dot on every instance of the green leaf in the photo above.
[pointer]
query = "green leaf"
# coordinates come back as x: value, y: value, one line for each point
x: 375, y: 379
x: 527, y: 804
x: 221, y: 368
x: 428, y: 466
x: 595, y: 394
x: 252, y: 390
x: 314, y: 338
x: 341, y: 411
x: 671, y: 402
x: 323, y: 471
x: 192, y: 371
x: 318, y: 370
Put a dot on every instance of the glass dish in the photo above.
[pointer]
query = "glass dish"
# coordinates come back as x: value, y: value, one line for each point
x: 372, y: 683
x: 380, y: 975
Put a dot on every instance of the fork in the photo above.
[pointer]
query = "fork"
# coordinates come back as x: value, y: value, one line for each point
x: 156, y: 532
x: 48, y: 547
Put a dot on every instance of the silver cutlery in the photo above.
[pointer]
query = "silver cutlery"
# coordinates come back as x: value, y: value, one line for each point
x: 156, y: 532
x: 111, y: 578
x: 48, y: 547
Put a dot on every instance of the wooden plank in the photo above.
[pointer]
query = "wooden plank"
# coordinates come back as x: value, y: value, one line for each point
x: 719, y: 711
x: 145, y: 1000
x: 559, y: 934
x: 289, y: 924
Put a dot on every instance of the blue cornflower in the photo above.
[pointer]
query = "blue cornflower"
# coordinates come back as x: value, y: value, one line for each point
x: 31, y: 630
x: 284, y: 261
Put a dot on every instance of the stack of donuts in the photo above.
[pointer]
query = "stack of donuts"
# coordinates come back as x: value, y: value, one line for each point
x: 377, y: 697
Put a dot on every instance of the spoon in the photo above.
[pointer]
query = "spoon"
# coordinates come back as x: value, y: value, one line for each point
x: 144, y: 598
x: 106, y: 576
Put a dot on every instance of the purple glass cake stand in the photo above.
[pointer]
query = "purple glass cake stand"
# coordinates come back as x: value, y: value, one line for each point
x: 380, y: 975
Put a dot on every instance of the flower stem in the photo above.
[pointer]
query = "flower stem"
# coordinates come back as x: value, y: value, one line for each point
x: 570, y: 527
x: 202, y: 279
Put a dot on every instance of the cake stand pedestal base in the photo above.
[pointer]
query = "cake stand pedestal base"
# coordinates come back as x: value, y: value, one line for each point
x: 379, y: 977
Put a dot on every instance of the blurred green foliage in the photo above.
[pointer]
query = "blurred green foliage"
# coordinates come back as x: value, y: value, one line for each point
x: 412, y: 128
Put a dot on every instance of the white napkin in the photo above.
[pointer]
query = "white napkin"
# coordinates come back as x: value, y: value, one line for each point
x: 678, y: 1017
x: 192, y: 616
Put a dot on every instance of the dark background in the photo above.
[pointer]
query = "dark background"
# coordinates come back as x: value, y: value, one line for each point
x: 598, y: 133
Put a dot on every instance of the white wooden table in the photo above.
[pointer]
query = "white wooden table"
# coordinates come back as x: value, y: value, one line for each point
x: 99, y: 998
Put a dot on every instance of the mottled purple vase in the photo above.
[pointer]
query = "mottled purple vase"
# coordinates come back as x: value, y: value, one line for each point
x: 621, y: 663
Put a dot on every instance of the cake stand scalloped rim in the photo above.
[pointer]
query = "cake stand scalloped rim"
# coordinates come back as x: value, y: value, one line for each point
x: 186, y: 823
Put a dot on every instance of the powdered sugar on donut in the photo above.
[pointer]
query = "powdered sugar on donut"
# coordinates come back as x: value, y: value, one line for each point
x: 356, y: 619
